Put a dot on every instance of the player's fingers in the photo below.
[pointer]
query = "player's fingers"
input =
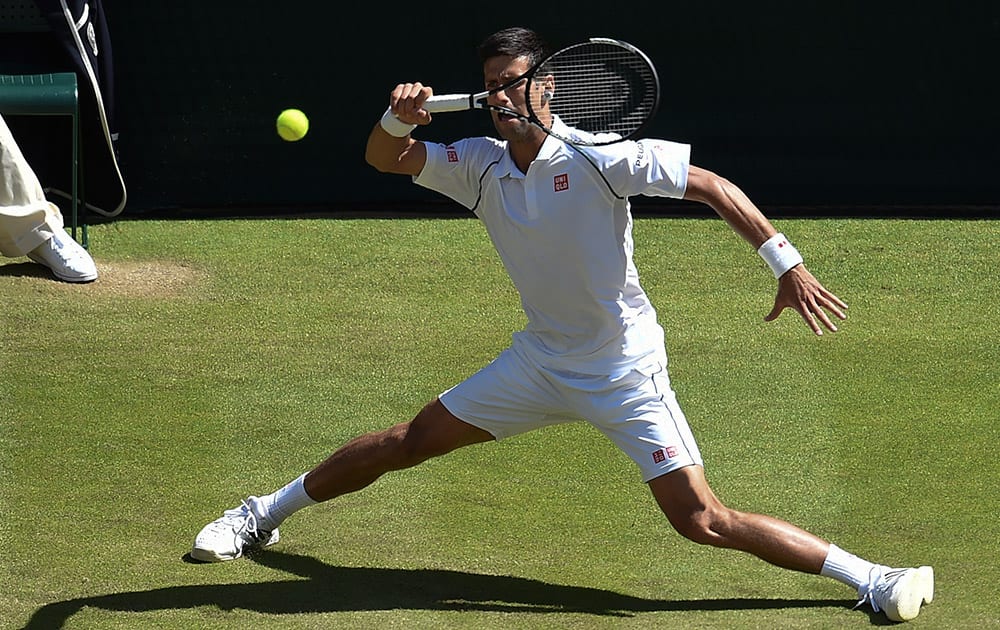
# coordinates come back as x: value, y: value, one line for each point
x: 818, y: 313
x: 407, y: 98
x: 833, y: 305
x: 422, y: 95
x: 807, y: 315
x: 773, y: 315
x: 403, y: 98
x: 394, y: 96
x: 839, y: 302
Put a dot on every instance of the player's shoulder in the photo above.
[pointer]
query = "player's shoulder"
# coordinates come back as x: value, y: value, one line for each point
x: 472, y: 150
x: 638, y: 152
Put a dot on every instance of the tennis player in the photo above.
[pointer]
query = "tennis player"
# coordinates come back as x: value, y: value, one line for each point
x: 592, y: 348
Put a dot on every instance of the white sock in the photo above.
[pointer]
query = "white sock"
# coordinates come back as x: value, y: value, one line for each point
x: 273, y: 509
x: 847, y: 568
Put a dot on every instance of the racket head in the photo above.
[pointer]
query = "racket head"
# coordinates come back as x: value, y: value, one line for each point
x: 604, y: 90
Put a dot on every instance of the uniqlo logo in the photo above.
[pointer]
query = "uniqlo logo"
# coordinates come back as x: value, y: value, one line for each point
x: 662, y: 454
x: 561, y: 182
x: 452, y: 154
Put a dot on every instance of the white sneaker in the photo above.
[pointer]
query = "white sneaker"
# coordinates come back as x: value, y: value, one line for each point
x: 232, y: 534
x: 899, y: 592
x: 67, y: 259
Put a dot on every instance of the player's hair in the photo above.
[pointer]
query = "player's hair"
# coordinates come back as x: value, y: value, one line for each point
x: 515, y: 42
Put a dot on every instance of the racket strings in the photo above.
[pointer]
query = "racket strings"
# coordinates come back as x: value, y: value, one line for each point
x: 602, y: 88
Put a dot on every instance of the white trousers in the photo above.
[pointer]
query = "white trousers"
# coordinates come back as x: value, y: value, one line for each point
x: 27, y: 218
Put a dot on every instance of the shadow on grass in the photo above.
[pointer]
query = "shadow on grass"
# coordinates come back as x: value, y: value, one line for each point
x: 325, y: 588
x: 24, y: 270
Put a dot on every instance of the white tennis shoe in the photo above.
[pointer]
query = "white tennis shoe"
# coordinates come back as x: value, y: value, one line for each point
x: 67, y: 259
x: 899, y: 592
x: 231, y: 535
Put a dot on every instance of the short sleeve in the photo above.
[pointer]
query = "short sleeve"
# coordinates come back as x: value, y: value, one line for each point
x: 454, y: 170
x: 652, y: 167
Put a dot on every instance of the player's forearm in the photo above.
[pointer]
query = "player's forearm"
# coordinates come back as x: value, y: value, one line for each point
x: 730, y: 203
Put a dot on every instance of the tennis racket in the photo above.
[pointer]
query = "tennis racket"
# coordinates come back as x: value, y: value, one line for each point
x: 605, y: 88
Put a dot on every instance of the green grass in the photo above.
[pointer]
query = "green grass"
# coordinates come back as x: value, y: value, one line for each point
x: 216, y: 359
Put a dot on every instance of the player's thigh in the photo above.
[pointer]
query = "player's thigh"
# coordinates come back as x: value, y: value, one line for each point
x: 641, y: 415
x: 507, y: 397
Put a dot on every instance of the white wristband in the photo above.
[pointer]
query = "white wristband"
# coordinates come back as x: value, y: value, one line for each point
x: 779, y: 254
x: 394, y: 126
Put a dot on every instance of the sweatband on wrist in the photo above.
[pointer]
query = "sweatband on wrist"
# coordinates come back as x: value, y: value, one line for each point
x: 779, y: 254
x: 394, y: 126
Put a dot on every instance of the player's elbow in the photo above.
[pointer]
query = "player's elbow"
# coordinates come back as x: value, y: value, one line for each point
x: 378, y: 162
x: 401, y: 160
x: 706, y: 187
x: 380, y: 159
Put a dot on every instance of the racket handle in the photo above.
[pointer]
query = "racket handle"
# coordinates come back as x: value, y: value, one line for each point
x: 449, y: 103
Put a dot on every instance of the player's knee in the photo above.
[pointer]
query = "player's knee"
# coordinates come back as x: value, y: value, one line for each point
x: 431, y: 433
x: 704, y: 526
x: 414, y: 444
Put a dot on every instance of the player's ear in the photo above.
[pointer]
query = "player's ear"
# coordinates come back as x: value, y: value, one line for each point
x: 548, y: 88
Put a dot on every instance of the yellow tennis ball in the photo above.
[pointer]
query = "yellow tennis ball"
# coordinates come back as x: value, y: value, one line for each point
x: 292, y: 125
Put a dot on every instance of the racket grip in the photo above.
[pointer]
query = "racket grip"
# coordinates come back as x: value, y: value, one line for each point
x: 448, y: 103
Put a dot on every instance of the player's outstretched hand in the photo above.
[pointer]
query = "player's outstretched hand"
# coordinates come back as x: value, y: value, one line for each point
x: 799, y: 290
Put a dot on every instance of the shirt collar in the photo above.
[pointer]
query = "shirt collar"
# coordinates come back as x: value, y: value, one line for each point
x: 506, y: 167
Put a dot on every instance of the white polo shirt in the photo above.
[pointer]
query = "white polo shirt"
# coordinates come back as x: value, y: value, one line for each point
x: 564, y: 233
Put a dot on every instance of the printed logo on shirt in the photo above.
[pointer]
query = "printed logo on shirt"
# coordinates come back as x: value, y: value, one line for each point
x: 451, y: 153
x: 658, y: 148
x: 640, y: 154
x: 561, y: 182
x: 661, y: 455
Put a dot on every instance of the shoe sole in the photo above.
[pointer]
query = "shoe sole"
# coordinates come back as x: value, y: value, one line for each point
x: 207, y: 555
x: 918, y: 586
x: 77, y: 279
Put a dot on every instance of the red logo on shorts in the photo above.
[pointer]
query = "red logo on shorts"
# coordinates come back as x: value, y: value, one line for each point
x: 561, y: 182
x: 661, y: 455
x: 451, y: 153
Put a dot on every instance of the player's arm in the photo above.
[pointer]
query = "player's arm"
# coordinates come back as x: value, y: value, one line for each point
x: 390, y: 147
x: 797, y: 288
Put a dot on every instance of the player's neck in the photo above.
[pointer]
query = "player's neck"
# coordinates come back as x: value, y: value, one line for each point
x: 524, y: 151
x: 522, y: 158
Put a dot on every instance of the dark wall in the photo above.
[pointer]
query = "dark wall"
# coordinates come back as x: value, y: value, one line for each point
x: 798, y: 102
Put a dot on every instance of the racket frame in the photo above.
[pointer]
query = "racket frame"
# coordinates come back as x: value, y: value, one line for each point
x: 463, y: 102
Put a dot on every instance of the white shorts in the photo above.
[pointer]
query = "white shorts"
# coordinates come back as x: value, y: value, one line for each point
x: 638, y: 411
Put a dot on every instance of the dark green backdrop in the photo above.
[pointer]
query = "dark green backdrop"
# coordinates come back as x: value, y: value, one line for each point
x: 811, y: 103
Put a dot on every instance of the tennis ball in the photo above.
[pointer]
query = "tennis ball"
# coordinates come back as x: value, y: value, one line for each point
x: 292, y: 125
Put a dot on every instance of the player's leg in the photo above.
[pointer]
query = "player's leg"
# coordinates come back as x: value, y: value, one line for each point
x: 353, y: 466
x: 503, y: 399
x: 643, y: 418
x: 694, y: 511
x: 697, y: 514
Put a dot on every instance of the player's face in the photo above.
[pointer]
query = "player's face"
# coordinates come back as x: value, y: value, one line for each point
x: 498, y: 71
